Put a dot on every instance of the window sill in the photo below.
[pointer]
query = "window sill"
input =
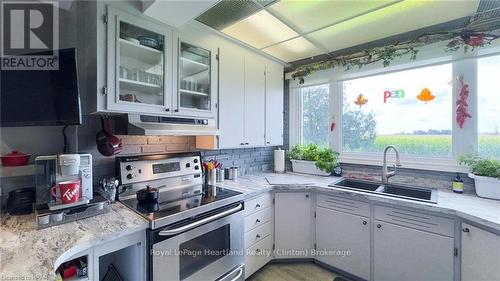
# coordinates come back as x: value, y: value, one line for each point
x: 420, y: 163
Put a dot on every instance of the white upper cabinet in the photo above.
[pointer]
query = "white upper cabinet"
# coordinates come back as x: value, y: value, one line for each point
x: 274, y: 104
x: 196, y: 80
x: 480, y: 254
x: 255, y: 87
x: 231, y: 97
x: 138, y: 60
x: 250, y: 100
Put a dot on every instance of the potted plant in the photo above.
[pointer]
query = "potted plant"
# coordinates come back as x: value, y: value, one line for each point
x: 312, y: 159
x: 486, y: 175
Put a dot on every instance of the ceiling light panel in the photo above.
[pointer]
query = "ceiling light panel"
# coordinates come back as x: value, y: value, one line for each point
x: 309, y: 15
x: 260, y: 30
x: 293, y: 50
x: 396, y: 19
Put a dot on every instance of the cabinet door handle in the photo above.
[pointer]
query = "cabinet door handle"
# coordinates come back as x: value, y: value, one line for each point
x: 176, y: 110
x: 307, y: 195
x: 242, y: 143
x: 379, y: 225
x: 257, y: 206
x: 257, y: 236
x: 257, y: 221
x: 167, y: 109
x: 268, y: 142
x: 365, y: 222
x: 465, y: 229
x: 246, y: 143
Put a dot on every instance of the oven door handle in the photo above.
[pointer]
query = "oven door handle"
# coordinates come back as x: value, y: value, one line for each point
x: 178, y: 230
x: 239, y: 269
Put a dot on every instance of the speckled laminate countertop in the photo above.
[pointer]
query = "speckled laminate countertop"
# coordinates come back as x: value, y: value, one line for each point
x: 30, y: 254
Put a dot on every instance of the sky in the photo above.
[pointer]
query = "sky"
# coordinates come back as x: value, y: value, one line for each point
x: 406, y: 113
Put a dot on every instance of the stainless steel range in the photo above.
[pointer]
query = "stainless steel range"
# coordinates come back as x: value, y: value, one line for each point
x: 196, y: 231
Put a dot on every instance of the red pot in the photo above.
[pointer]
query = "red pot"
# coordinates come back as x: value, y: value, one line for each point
x: 15, y: 158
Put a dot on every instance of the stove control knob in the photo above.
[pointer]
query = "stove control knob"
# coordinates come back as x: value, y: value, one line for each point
x: 188, y: 165
x: 195, y: 160
x: 196, y: 167
x: 128, y: 168
x: 130, y: 176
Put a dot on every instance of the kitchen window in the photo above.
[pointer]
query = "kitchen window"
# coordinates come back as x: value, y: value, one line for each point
x: 314, y: 117
x: 411, y: 109
x: 488, y: 107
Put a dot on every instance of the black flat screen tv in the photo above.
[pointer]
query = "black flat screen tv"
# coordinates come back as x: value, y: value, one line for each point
x: 41, y: 97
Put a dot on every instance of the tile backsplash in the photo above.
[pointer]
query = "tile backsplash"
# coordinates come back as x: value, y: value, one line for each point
x: 248, y: 160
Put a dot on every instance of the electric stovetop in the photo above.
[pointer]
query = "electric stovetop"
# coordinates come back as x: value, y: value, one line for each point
x: 165, y: 207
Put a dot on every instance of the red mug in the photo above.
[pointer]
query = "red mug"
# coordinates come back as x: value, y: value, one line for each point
x: 68, y: 190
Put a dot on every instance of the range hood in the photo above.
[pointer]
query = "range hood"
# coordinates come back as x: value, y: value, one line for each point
x: 146, y: 125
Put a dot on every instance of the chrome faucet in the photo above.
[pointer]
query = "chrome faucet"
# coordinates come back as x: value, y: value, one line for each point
x: 385, y: 173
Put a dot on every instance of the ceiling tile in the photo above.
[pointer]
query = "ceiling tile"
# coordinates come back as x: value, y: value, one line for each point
x: 398, y: 18
x: 292, y: 50
x: 260, y: 30
x: 308, y: 15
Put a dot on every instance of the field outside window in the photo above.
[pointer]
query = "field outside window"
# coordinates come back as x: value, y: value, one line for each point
x: 489, y: 107
x: 392, y: 114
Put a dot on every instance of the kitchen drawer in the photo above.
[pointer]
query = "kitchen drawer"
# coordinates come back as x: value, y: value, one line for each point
x: 258, y: 255
x: 257, y: 219
x: 258, y: 203
x: 342, y: 204
x: 416, y: 220
x: 257, y: 234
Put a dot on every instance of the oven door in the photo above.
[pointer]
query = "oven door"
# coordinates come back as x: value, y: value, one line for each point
x: 205, y: 248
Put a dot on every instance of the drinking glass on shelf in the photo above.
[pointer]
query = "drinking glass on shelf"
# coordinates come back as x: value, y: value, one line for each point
x: 134, y: 74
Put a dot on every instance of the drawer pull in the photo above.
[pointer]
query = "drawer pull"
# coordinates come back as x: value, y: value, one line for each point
x: 379, y: 225
x: 465, y: 229
x: 365, y: 222
x: 257, y: 236
x: 257, y: 206
x: 257, y: 221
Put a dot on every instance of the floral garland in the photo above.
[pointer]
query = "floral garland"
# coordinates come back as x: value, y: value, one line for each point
x: 478, y: 33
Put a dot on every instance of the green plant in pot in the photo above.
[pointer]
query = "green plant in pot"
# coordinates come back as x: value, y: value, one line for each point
x: 312, y: 159
x: 486, y: 175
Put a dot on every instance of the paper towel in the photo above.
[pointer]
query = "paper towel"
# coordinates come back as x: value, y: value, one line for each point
x: 279, y: 161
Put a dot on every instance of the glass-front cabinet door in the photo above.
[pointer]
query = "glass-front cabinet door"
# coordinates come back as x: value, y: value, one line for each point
x: 195, y: 89
x: 137, y: 65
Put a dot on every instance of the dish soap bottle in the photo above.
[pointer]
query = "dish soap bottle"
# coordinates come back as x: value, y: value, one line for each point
x: 458, y: 184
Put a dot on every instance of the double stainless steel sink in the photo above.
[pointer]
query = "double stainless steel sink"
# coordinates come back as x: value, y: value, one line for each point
x: 428, y: 195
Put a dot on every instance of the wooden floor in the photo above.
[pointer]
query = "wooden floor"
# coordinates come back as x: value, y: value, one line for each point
x: 293, y: 272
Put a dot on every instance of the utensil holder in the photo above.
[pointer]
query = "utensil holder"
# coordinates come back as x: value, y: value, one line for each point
x: 211, y: 177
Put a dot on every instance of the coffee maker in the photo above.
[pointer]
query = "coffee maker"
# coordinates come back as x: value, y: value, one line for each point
x: 70, y: 171
x: 52, y: 170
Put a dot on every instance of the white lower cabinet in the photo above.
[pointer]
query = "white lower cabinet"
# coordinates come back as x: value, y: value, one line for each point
x: 480, y: 254
x: 343, y: 241
x: 293, y: 221
x: 126, y: 254
x: 258, y: 233
x: 404, y: 253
